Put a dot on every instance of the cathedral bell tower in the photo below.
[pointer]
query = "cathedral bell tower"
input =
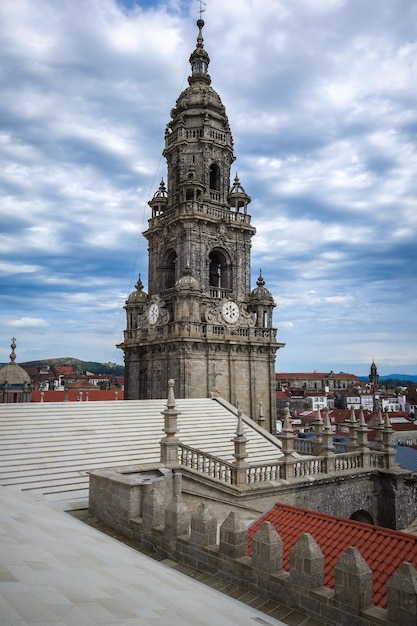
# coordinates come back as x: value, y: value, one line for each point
x: 200, y: 323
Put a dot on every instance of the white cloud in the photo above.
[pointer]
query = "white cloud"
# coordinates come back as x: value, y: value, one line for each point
x: 29, y: 322
x: 9, y: 267
x: 321, y: 101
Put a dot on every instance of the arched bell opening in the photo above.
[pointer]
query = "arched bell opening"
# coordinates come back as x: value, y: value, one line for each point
x: 168, y: 268
x: 220, y: 271
x: 214, y: 177
x: 362, y: 516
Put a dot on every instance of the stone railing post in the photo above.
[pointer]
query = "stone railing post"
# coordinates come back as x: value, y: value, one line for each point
x: 387, y: 442
x: 353, y: 427
x: 169, y: 444
x: 402, y: 596
x: 378, y: 431
x: 177, y: 517
x: 233, y: 537
x: 203, y: 526
x: 327, y: 447
x: 353, y: 580
x: 287, y: 444
x: 362, y: 439
x: 317, y: 425
x: 240, y: 465
x: 266, y: 550
x: 307, y: 563
x: 261, y: 417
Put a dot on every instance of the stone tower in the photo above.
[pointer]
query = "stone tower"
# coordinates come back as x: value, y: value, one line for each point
x: 201, y: 324
x: 373, y: 375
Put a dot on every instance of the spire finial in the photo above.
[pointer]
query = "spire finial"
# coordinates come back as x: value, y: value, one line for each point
x: 200, y: 24
x: 139, y: 284
x: 200, y: 59
x: 13, y: 347
x: 201, y: 10
x: 260, y: 282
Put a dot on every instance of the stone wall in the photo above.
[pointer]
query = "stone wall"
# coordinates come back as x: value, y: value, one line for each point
x: 146, y: 504
x: 116, y: 495
x: 388, y: 499
x: 171, y: 532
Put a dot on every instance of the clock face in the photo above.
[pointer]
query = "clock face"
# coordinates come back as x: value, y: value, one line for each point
x: 153, y: 313
x: 230, y: 312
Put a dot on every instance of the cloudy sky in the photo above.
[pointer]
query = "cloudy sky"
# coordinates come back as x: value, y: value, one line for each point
x: 322, y: 101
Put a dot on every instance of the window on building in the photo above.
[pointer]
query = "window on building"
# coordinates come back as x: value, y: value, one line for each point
x: 168, y: 269
x: 220, y: 270
x: 215, y: 177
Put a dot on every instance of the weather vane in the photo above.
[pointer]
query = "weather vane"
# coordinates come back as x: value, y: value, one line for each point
x: 201, y: 10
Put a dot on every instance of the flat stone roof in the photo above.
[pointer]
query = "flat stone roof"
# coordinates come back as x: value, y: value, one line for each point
x: 57, y: 571
x: 48, y: 449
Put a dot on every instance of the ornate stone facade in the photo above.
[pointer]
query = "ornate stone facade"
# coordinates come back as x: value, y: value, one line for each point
x: 201, y: 324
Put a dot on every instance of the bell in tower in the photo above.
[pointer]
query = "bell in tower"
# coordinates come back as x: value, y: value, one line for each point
x: 200, y: 323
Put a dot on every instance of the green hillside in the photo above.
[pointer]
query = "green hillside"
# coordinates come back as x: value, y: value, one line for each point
x: 77, y: 364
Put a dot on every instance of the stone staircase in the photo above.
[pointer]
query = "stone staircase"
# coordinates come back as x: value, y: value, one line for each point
x: 47, y: 449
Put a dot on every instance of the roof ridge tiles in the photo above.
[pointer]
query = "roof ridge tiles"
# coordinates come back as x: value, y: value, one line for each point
x: 335, y: 534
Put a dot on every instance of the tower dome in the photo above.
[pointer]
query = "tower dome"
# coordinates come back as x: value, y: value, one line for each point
x: 198, y: 140
x: 261, y: 294
x: 138, y: 296
x: 187, y: 282
x: 15, y: 382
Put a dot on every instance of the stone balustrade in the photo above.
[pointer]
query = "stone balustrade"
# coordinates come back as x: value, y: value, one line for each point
x: 286, y: 467
x: 191, y: 208
x: 205, y: 463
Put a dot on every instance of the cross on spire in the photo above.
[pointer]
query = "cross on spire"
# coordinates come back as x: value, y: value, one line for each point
x: 201, y: 10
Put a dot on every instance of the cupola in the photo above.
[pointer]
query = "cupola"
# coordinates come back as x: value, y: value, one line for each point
x: 159, y: 201
x: 199, y: 59
x: 138, y: 296
x: 262, y: 304
x: 135, y: 304
x: 15, y: 382
x: 261, y: 293
x: 238, y: 199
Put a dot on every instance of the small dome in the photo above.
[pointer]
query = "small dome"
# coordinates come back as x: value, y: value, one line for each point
x: 13, y: 374
x: 261, y: 293
x: 161, y: 192
x: 187, y: 282
x: 238, y: 198
x: 138, y: 297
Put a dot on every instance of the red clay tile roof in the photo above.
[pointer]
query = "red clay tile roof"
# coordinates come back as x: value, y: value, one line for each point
x: 94, y: 395
x: 64, y: 370
x: 384, y: 550
x: 83, y: 384
x: 283, y: 395
x: 313, y: 376
x: 403, y: 426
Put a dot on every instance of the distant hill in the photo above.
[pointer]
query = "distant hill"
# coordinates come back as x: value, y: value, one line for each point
x: 77, y: 364
x: 410, y: 378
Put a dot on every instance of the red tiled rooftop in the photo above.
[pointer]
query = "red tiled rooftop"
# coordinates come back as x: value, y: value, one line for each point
x: 83, y: 384
x: 313, y: 375
x: 64, y: 370
x: 282, y: 395
x: 403, y: 426
x: 384, y: 550
x: 94, y: 395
